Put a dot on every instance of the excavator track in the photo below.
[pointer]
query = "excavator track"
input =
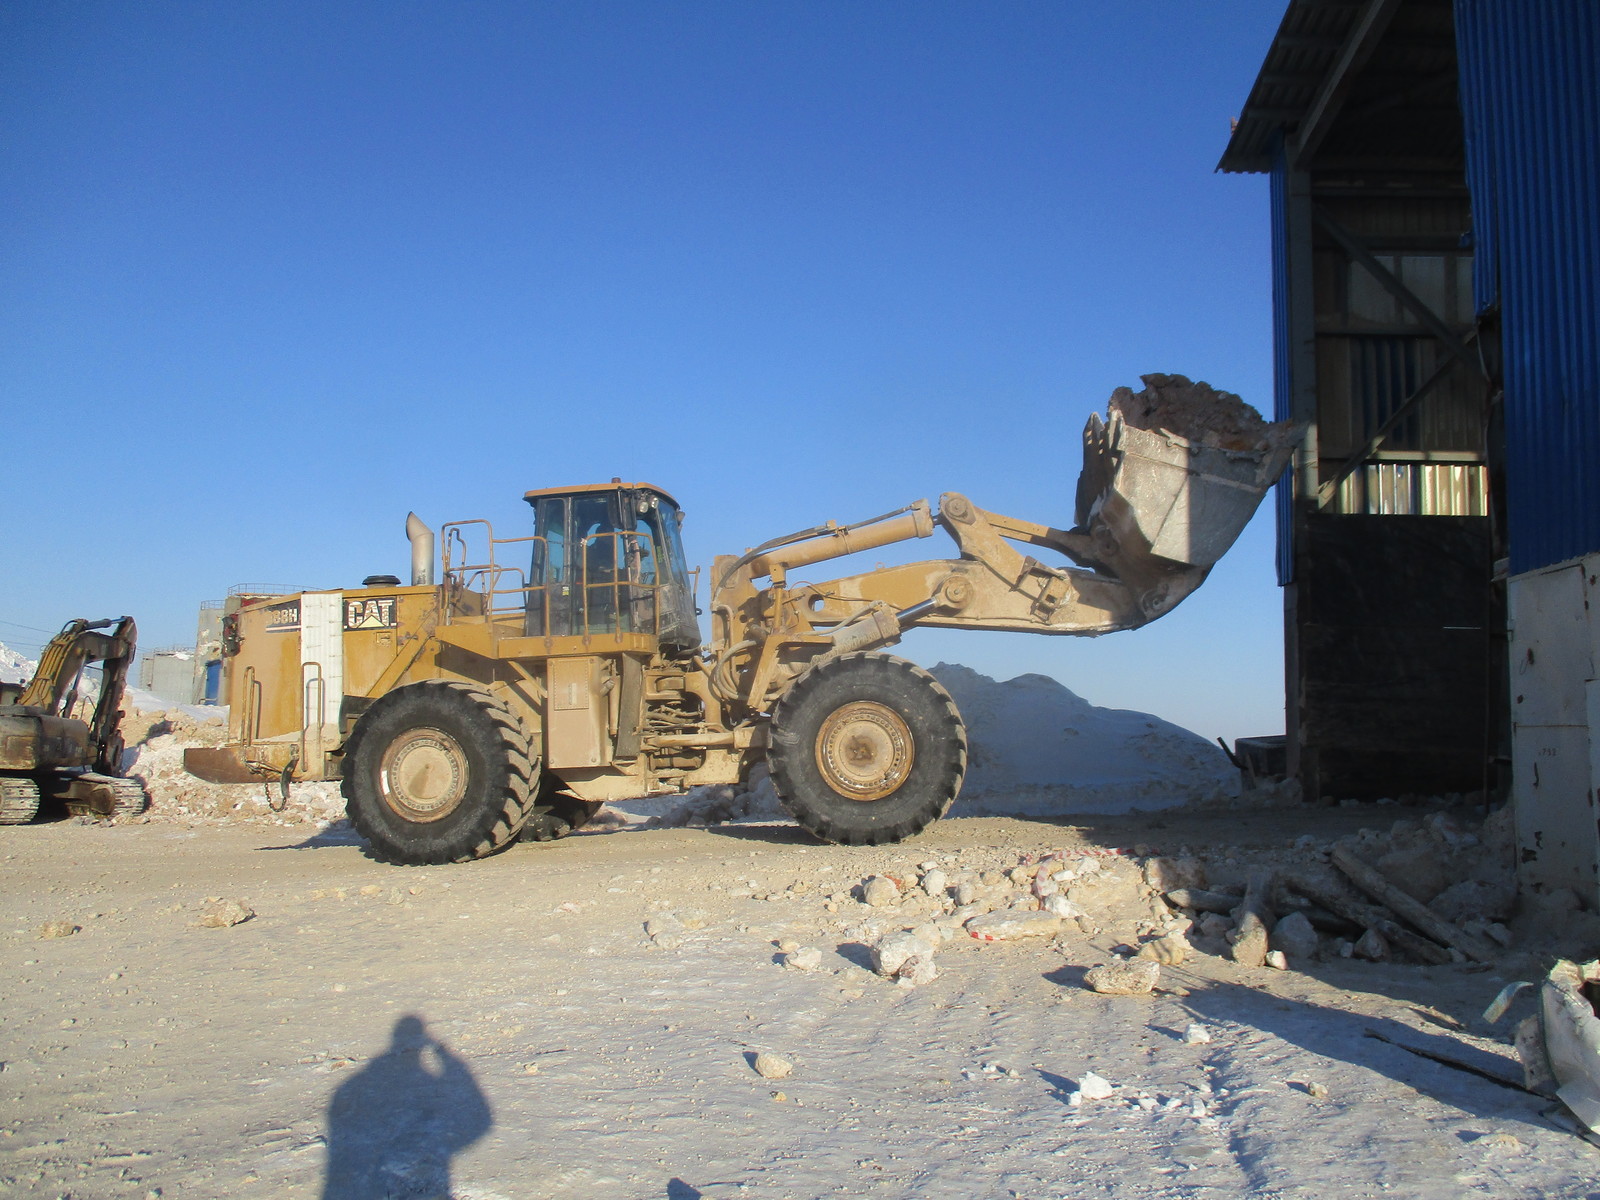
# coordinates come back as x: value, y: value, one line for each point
x: 19, y: 801
x: 129, y: 798
x: 106, y: 797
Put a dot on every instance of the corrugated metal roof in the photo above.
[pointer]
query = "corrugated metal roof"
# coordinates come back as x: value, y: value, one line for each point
x: 1401, y: 103
x: 1530, y: 94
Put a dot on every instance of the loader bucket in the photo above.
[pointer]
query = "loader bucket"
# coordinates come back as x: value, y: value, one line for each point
x: 1173, y: 475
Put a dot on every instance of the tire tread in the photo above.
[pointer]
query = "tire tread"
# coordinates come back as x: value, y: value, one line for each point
x: 511, y: 806
x: 787, y: 755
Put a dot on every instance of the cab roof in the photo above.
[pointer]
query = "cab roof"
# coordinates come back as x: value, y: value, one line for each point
x: 616, y: 485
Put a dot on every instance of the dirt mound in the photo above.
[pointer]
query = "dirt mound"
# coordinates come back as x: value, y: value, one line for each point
x: 1196, y: 411
x: 155, y: 744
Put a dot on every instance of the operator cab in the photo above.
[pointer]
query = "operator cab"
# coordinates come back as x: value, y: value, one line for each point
x: 608, y: 558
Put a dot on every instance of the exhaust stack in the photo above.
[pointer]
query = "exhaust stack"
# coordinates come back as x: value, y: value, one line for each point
x: 421, y: 538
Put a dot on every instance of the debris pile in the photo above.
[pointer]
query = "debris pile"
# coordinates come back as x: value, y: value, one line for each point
x: 1059, y: 898
x: 156, y: 742
x: 1432, y: 889
x: 1125, y: 916
x: 1197, y: 412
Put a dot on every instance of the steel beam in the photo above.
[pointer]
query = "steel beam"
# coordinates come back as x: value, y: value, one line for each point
x: 1364, y: 37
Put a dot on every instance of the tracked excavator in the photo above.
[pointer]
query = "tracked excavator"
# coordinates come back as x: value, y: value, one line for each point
x: 540, y: 675
x: 47, y: 749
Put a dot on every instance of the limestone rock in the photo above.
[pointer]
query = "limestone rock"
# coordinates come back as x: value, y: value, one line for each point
x: 1294, y: 936
x: 1169, y: 874
x: 664, y: 924
x: 1135, y: 978
x: 770, y: 1066
x: 1417, y: 870
x: 1094, y: 1087
x: 806, y: 958
x: 1213, y: 925
x: 1058, y: 905
x: 917, y: 970
x: 1012, y: 923
x: 1170, y: 950
x: 892, y: 951
x: 1372, y: 946
x: 1477, y: 899
x: 880, y: 891
x: 221, y: 914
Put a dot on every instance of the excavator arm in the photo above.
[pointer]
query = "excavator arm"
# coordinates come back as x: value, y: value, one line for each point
x: 53, y: 690
x: 1156, y: 508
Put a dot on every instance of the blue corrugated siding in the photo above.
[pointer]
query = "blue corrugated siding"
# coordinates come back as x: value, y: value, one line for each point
x: 1530, y: 97
x: 1282, y: 390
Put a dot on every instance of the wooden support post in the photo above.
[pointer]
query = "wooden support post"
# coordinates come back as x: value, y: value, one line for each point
x: 1202, y: 901
x: 1409, y: 909
x: 1368, y: 917
x: 1252, y: 932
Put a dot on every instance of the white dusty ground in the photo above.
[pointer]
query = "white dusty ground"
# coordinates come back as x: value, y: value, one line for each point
x: 581, y: 1058
x: 581, y: 1018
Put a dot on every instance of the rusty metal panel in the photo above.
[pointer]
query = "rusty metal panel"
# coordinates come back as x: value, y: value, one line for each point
x: 1530, y: 96
x: 260, y: 706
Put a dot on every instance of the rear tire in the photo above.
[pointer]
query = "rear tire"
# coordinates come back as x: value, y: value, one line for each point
x: 438, y: 772
x: 866, y: 749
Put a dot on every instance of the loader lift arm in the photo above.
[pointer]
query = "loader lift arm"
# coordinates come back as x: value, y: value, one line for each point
x: 1155, y: 511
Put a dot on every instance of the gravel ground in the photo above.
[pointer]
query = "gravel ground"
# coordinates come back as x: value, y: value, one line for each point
x: 509, y: 1029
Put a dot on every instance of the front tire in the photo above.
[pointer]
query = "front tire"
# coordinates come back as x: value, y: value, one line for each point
x: 438, y: 772
x: 866, y: 749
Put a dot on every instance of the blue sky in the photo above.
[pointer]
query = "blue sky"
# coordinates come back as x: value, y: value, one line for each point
x: 273, y: 274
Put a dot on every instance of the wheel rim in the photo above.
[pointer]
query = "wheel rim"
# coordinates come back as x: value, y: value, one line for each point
x: 865, y: 750
x: 423, y: 775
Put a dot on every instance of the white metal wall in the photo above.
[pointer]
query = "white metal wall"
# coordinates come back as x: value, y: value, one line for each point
x: 322, y: 649
x: 1555, y: 712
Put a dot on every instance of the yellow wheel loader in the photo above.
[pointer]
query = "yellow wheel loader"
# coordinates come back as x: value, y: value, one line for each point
x: 48, y: 749
x: 543, y: 674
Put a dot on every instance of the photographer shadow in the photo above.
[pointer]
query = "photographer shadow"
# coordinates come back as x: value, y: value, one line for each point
x: 395, y: 1125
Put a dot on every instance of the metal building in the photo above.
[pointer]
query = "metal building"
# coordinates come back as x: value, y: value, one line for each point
x: 1530, y: 97
x: 1435, y: 266
x: 168, y: 674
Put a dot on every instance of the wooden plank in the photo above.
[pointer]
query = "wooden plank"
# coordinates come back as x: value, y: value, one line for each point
x: 1409, y: 909
x: 1368, y: 917
x: 1251, y: 936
